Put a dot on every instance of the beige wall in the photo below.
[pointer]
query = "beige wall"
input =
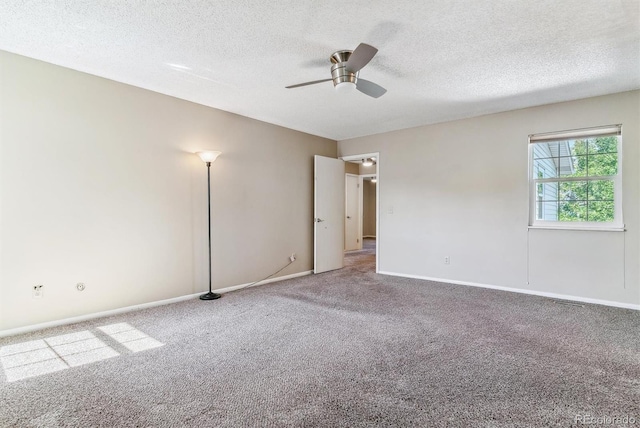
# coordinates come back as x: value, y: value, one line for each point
x: 460, y: 190
x: 351, y: 168
x: 364, y: 170
x: 368, y: 208
x: 98, y: 184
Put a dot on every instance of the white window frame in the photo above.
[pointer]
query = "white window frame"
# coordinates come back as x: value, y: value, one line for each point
x: 617, y: 224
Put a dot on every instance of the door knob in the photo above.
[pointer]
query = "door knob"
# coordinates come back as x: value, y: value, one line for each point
x: 319, y: 220
x: 348, y: 216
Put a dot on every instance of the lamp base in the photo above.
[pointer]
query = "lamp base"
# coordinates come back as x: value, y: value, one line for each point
x: 210, y: 296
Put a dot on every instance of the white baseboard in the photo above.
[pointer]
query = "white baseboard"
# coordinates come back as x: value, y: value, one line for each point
x: 72, y: 320
x: 266, y: 281
x: 520, y: 290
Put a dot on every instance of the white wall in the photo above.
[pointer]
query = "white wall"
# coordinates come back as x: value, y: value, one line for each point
x: 460, y: 189
x: 98, y: 184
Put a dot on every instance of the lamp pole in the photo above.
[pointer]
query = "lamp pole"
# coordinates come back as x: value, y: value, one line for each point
x: 209, y: 157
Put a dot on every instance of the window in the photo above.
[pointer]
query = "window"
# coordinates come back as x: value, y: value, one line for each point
x: 575, y: 179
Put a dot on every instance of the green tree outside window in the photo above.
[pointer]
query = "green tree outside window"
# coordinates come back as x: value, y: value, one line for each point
x: 590, y: 200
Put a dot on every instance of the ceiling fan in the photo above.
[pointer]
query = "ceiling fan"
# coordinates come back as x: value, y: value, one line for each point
x: 346, y: 69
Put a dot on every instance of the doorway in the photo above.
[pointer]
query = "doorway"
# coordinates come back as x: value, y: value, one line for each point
x: 353, y: 213
x: 361, y: 234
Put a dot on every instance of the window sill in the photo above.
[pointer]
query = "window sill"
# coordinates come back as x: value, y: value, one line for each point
x: 587, y: 229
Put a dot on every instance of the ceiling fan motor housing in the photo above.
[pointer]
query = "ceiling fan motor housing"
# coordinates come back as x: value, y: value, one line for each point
x: 339, y: 72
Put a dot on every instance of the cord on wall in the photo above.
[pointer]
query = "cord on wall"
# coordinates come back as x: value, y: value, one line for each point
x: 291, y: 260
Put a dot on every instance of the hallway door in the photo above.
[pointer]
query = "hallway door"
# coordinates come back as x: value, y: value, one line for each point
x: 328, y: 230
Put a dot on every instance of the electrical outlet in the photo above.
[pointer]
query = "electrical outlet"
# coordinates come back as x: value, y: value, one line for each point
x: 80, y: 286
x: 447, y: 260
x: 37, y: 291
x: 293, y: 257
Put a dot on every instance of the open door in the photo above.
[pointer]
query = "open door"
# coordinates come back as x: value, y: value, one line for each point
x: 328, y: 212
x: 370, y: 172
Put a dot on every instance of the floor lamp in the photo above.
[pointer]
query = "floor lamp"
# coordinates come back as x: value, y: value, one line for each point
x: 208, y: 158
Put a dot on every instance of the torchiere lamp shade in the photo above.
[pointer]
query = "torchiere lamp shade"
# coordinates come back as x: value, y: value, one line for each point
x: 208, y: 156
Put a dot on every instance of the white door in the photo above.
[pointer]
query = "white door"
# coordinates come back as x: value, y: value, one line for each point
x: 328, y: 230
x: 352, y: 214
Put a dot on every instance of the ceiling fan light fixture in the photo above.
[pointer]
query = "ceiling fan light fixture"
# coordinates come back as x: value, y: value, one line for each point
x: 345, y: 70
x: 367, y: 162
x: 374, y: 180
x: 345, y: 87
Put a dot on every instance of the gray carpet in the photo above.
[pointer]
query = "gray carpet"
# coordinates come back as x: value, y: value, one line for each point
x: 347, y: 348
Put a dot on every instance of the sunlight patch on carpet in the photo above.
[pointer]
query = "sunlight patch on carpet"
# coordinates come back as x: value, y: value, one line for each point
x: 130, y: 337
x: 38, y: 357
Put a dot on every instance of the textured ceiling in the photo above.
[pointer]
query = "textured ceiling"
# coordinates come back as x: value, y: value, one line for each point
x: 439, y: 60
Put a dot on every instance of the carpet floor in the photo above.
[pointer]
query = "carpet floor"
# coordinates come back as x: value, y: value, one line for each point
x: 348, y: 348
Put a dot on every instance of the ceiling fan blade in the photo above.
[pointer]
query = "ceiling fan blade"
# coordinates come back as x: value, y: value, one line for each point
x: 308, y: 83
x: 369, y: 88
x: 360, y: 57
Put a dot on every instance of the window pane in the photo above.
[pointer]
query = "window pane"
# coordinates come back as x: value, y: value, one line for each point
x: 572, y: 191
x: 601, y: 190
x: 603, y: 164
x: 544, y: 168
x: 567, y: 166
x: 548, y: 191
x: 543, y: 150
x: 575, y: 166
x: 603, y: 145
x: 573, y: 148
x: 572, y: 211
x: 555, y: 149
x: 547, y: 211
x: 601, y: 211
